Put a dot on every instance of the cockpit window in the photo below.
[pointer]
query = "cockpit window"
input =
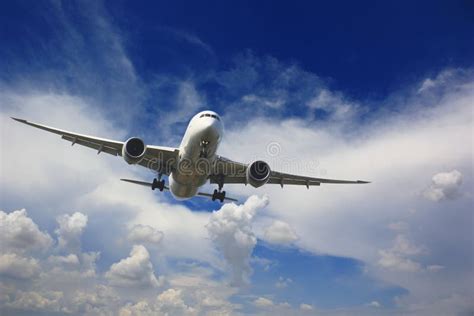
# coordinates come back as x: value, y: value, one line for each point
x: 210, y: 115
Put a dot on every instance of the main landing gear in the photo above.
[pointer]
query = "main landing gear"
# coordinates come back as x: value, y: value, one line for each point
x: 158, y: 183
x: 218, y: 193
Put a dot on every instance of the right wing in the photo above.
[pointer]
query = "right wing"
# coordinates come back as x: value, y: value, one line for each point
x: 228, y: 171
x: 157, y: 158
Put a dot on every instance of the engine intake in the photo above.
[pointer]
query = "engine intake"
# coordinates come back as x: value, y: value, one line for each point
x: 133, y: 150
x: 258, y: 173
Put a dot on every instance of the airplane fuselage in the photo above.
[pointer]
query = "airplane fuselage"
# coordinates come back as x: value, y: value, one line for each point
x: 197, y: 152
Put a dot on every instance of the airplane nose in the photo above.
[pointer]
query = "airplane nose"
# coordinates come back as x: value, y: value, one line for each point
x: 210, y: 128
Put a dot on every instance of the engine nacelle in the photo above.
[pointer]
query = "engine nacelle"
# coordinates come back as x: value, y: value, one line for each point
x: 258, y: 173
x: 133, y: 150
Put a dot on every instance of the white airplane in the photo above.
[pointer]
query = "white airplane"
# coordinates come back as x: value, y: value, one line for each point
x: 192, y: 164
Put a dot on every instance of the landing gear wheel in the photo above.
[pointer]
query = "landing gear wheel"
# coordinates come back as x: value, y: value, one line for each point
x: 160, y: 185
x: 218, y: 195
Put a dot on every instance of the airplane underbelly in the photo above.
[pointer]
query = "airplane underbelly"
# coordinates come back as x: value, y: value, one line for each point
x: 185, y: 186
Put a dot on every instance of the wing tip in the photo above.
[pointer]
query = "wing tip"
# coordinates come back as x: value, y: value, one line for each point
x: 18, y: 119
x: 363, y: 182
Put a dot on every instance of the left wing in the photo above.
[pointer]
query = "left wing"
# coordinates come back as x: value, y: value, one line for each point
x: 228, y: 171
x: 155, y: 156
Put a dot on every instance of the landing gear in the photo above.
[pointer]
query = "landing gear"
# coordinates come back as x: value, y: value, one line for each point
x: 203, y: 153
x: 218, y: 195
x: 158, y: 183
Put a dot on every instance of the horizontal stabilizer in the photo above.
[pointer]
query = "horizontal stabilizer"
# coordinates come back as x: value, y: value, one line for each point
x: 149, y: 184
x: 146, y: 184
x: 210, y: 196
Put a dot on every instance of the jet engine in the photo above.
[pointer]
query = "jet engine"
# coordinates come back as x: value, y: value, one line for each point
x: 258, y: 173
x: 133, y: 150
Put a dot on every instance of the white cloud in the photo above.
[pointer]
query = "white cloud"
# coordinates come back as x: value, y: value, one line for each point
x: 283, y: 282
x: 170, y: 302
x: 231, y: 231
x: 145, y: 234
x: 306, y: 307
x: 263, y: 302
x: 20, y: 234
x: 445, y: 185
x: 280, y: 232
x: 442, y: 80
x: 374, y: 304
x: 333, y: 104
x: 48, y: 301
x: 397, y: 257
x: 70, y: 260
x: 141, y: 308
x: 200, y: 290
x: 392, y: 260
x: 100, y: 300
x: 427, y: 84
x: 70, y: 230
x: 135, y: 270
x: 12, y: 265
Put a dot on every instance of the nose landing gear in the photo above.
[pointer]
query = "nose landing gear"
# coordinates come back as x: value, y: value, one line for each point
x: 203, y: 153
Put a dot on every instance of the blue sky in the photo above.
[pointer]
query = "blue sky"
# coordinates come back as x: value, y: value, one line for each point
x: 377, y: 91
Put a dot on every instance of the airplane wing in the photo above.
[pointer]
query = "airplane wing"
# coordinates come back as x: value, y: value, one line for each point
x: 155, y: 156
x: 228, y: 171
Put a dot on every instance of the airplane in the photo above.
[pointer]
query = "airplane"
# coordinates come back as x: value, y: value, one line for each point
x: 193, y: 163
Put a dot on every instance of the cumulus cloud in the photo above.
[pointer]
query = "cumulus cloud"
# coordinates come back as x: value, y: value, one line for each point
x: 20, y: 234
x: 70, y: 230
x: 145, y: 234
x: 280, y: 232
x: 100, y: 300
x: 12, y: 265
x: 41, y: 301
x: 231, y: 231
x: 444, y: 186
x: 135, y: 270
x: 171, y: 302
x: 70, y: 260
x: 141, y: 308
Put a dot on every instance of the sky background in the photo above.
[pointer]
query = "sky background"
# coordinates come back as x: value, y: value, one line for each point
x: 369, y: 90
